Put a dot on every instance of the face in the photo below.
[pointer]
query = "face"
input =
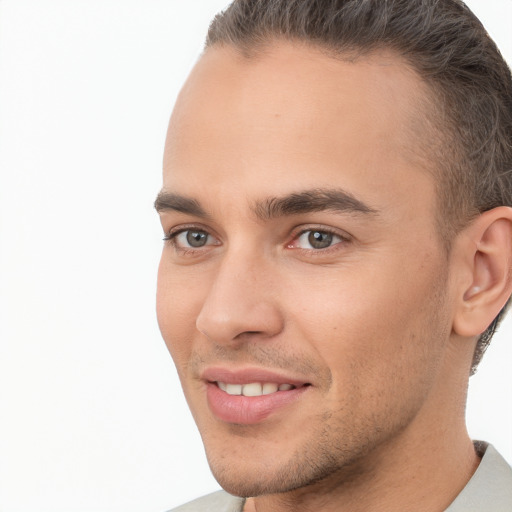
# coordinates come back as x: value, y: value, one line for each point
x: 302, y: 290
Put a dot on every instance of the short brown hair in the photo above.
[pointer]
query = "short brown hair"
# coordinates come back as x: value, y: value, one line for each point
x: 444, y: 42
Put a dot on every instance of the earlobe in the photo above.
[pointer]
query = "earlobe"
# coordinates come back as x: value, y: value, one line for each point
x: 487, y: 259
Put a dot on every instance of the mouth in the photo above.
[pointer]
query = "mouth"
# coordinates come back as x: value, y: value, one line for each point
x: 254, y: 388
x: 250, y: 396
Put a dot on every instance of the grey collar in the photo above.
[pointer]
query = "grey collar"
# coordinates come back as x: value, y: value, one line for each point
x: 490, y: 488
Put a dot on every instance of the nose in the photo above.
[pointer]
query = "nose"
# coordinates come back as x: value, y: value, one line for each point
x: 241, y: 303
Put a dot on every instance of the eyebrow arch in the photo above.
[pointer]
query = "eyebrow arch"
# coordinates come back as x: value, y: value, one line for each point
x: 166, y: 201
x: 308, y: 201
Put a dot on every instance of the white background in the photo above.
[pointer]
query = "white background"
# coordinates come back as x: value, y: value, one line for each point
x: 91, y: 414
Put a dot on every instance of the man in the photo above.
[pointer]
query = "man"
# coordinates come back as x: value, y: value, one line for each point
x: 336, y: 208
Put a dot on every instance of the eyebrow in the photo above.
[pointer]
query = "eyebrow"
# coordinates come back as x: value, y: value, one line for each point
x: 307, y: 201
x: 167, y: 201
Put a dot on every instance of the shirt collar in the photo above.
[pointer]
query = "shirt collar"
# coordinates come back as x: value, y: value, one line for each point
x: 490, y: 488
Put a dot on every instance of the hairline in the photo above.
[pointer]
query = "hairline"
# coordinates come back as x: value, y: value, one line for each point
x: 427, y: 156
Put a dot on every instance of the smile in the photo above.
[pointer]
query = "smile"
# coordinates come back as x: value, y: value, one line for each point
x: 254, y: 388
x: 246, y: 396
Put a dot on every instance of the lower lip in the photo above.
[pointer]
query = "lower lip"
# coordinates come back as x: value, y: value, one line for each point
x: 248, y: 410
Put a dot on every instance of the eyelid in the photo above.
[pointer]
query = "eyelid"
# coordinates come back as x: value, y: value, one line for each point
x: 303, y: 229
x: 175, y: 231
x: 296, y: 233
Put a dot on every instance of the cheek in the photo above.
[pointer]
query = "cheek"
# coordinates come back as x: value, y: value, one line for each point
x: 176, y: 306
x: 376, y: 323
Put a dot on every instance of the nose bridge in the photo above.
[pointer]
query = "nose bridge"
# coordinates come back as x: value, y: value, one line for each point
x: 241, y: 300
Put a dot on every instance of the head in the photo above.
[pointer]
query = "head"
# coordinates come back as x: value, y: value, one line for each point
x: 334, y: 183
x: 468, y: 102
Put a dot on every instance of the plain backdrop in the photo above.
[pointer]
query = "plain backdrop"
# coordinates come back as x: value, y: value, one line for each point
x: 91, y: 412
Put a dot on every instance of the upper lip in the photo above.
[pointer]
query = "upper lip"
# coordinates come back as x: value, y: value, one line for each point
x: 248, y: 376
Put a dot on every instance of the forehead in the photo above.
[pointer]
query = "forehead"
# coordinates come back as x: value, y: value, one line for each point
x: 295, y: 113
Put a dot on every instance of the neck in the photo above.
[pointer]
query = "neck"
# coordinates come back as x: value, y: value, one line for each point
x: 423, y: 468
x: 406, y: 478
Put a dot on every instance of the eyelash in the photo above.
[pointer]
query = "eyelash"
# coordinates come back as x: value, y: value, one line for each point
x: 171, y: 236
x: 318, y: 229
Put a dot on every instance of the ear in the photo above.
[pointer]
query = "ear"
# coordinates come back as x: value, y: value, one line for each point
x: 485, y: 266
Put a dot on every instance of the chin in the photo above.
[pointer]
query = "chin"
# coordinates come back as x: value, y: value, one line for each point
x: 250, y: 483
x: 241, y: 477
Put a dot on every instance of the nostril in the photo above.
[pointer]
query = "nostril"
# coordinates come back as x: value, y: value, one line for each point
x: 228, y: 319
x: 247, y: 333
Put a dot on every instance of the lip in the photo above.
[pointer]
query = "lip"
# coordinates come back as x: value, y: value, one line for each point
x: 243, y: 410
x: 248, y: 375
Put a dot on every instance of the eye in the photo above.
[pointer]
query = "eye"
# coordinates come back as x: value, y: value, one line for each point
x: 315, y: 239
x: 191, y: 239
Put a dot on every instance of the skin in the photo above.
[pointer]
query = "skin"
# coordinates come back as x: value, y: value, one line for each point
x: 368, y: 321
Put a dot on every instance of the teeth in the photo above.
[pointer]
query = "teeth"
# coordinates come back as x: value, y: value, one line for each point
x: 268, y: 388
x: 234, y: 389
x: 254, y: 388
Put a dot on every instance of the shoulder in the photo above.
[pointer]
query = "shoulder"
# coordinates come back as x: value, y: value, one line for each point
x: 216, y: 502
